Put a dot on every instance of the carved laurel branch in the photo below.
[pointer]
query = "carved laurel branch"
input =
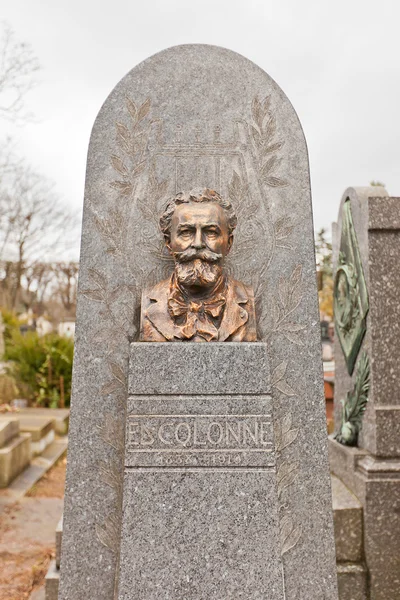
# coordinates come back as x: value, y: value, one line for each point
x: 283, y: 229
x: 112, y: 230
x: 278, y: 381
x: 289, y: 534
x: 284, y: 434
x: 263, y: 132
x: 132, y: 142
x: 116, y: 314
x: 283, y: 305
x: 115, y: 322
x: 108, y: 532
x: 117, y: 318
x: 287, y: 473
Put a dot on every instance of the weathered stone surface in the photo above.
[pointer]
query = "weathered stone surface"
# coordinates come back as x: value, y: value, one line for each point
x: 348, y: 523
x: 205, y: 368
x: 195, y: 116
x: 14, y: 457
x: 352, y: 582
x: 9, y: 428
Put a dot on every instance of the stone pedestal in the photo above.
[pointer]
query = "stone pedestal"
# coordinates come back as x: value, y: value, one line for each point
x: 200, y: 512
x: 372, y: 469
x: 201, y: 500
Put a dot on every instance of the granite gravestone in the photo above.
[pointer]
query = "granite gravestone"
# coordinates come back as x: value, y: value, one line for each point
x: 197, y: 470
x: 365, y: 452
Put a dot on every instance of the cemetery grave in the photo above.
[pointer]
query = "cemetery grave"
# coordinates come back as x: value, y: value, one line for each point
x: 197, y: 470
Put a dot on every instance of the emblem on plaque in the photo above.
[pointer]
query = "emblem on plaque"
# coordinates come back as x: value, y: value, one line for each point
x: 350, y: 296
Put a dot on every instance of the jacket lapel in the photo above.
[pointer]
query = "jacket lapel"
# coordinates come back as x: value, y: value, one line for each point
x: 158, y: 314
x: 235, y: 313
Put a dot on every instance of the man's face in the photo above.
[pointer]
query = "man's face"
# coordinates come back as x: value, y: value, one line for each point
x: 199, y: 240
x: 200, y: 225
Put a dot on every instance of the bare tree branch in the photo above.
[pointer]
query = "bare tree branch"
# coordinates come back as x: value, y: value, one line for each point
x: 18, y: 66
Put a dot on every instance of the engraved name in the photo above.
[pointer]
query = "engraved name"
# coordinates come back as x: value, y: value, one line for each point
x: 199, y: 433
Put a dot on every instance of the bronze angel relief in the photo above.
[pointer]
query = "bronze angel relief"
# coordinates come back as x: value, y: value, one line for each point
x: 199, y: 302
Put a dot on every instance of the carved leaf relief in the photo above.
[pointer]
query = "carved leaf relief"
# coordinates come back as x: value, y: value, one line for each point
x: 286, y: 475
x: 289, y: 534
x: 284, y: 435
x: 278, y: 381
x: 132, y: 142
x: 112, y: 433
x: 263, y: 131
x: 108, y: 533
x: 283, y: 306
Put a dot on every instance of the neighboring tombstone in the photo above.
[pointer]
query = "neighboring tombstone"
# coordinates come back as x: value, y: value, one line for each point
x: 365, y: 453
x: 169, y: 514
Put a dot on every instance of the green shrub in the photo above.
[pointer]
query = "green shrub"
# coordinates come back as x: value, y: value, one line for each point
x: 38, y: 365
x: 11, y: 324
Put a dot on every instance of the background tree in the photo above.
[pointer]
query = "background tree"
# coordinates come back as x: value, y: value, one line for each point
x: 33, y: 227
x: 66, y: 275
x: 18, y: 68
x: 323, y: 252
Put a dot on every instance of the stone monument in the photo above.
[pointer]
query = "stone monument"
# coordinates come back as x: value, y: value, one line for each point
x: 197, y: 463
x: 365, y: 450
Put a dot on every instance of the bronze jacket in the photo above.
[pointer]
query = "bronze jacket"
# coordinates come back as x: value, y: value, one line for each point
x: 237, y: 323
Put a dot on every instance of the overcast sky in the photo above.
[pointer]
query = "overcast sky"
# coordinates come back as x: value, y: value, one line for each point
x: 337, y: 61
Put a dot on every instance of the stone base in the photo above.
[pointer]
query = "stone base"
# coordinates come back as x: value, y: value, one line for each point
x: 348, y: 523
x: 376, y: 484
x: 59, y: 532
x: 352, y: 581
x: 14, y: 457
x: 59, y: 415
x: 203, y: 486
x: 52, y: 581
x: 40, y: 446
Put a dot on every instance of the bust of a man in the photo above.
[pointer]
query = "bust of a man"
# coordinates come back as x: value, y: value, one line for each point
x: 199, y: 302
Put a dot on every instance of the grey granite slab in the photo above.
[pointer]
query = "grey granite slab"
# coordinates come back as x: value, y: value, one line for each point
x: 195, y: 116
x: 192, y: 368
x: 203, y: 513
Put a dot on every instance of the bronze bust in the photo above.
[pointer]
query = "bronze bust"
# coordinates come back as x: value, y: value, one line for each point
x: 199, y: 302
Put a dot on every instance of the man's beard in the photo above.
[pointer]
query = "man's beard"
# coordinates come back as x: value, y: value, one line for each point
x: 200, y: 268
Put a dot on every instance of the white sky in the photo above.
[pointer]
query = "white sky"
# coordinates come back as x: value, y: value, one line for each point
x: 338, y: 62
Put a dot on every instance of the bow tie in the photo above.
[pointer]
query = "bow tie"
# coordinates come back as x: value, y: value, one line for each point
x: 197, y: 313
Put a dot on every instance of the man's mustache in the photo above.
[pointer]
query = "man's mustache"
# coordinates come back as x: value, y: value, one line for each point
x: 193, y: 253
